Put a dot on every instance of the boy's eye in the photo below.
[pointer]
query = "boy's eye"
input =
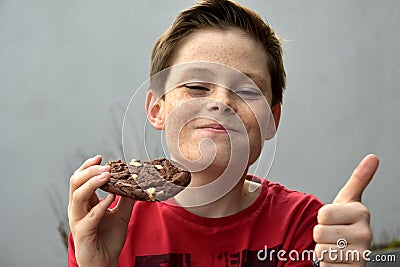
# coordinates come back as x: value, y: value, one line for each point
x: 197, y: 89
x: 249, y: 93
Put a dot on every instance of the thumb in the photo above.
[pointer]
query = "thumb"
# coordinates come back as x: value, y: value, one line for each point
x: 124, y: 208
x: 360, y: 178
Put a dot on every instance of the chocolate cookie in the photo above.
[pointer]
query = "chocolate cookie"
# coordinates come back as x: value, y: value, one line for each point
x: 157, y: 180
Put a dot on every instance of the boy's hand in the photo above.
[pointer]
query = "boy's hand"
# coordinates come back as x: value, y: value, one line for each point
x: 343, y: 226
x: 99, y: 233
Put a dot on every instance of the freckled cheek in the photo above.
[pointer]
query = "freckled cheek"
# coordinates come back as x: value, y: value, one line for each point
x: 188, y: 143
x: 252, y: 119
x: 179, y: 131
x: 255, y: 132
x: 259, y: 120
x: 254, y: 137
x: 178, y: 102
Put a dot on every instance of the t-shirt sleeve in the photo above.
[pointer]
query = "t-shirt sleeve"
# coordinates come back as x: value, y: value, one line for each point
x: 71, y: 252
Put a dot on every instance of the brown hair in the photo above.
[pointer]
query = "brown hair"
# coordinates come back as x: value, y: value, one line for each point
x: 221, y: 14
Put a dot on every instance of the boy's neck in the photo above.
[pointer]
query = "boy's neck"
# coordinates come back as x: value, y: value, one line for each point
x: 239, y: 198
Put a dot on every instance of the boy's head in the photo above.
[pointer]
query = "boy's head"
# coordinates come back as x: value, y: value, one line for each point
x: 231, y: 63
x: 221, y: 15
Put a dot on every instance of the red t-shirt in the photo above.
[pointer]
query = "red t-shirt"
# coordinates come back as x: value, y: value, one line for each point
x: 272, y: 231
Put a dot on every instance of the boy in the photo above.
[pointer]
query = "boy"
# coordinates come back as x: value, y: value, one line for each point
x: 241, y: 223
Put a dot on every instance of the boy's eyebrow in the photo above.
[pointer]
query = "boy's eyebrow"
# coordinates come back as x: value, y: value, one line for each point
x: 201, y: 70
x: 255, y: 77
x: 211, y: 74
x: 180, y: 75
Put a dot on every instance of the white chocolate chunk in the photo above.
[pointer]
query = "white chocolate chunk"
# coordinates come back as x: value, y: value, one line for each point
x: 150, y: 191
x: 135, y: 163
x: 158, y: 167
x: 133, y: 160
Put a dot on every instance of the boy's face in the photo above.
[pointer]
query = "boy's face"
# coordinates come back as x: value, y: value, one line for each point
x: 233, y: 121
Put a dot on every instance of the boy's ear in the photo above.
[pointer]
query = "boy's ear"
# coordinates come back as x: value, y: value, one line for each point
x: 154, y: 110
x: 274, y: 121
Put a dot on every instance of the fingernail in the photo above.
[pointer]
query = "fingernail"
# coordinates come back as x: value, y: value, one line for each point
x: 104, y: 168
x: 102, y: 176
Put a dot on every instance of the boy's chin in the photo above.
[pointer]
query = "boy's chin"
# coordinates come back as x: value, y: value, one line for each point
x: 222, y: 165
x: 214, y: 161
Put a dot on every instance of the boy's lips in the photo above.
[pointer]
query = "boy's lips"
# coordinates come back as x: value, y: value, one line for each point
x: 218, y: 128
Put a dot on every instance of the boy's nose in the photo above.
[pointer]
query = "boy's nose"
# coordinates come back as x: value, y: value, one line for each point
x: 221, y: 100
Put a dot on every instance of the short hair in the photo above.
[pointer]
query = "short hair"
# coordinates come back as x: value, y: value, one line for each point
x: 221, y: 14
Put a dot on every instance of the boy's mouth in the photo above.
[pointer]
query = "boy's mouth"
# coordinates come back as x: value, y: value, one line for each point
x: 217, y: 128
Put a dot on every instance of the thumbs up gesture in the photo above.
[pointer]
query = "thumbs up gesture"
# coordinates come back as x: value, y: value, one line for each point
x: 343, y: 228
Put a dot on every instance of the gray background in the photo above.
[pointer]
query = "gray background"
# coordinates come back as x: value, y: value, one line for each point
x: 69, y: 68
